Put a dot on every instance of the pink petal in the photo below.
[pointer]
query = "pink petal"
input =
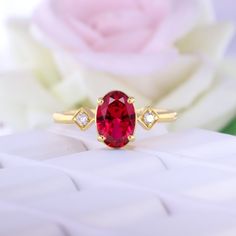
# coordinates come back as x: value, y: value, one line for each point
x: 127, y: 63
x: 84, y: 9
x: 185, y: 15
x: 110, y: 23
x: 156, y: 9
x: 46, y: 18
x: 126, y: 42
x: 149, y: 75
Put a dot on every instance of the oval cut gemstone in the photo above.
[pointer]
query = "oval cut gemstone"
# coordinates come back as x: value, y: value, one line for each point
x: 116, y: 119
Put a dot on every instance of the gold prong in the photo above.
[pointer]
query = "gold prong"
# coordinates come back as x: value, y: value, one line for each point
x: 101, y: 138
x: 100, y: 101
x: 131, y: 100
x: 131, y: 138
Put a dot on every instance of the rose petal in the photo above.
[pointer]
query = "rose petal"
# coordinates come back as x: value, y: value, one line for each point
x: 210, y: 40
x: 56, y: 28
x: 66, y: 24
x: 83, y: 31
x: 70, y: 91
x: 29, y: 95
x: 156, y: 9
x: 110, y: 23
x: 184, y: 95
x: 207, y: 111
x: 65, y: 21
x: 228, y: 67
x: 30, y: 54
x: 183, y: 18
x: 94, y: 79
x: 126, y: 42
x: 146, y: 74
x: 83, y: 10
x: 150, y: 80
x: 127, y: 63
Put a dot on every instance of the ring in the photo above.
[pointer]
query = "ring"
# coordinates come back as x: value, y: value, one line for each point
x: 115, y: 118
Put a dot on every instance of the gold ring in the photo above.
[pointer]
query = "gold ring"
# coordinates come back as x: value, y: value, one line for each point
x: 115, y: 118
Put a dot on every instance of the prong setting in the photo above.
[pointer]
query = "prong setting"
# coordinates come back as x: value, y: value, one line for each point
x: 131, y: 138
x: 100, y: 101
x: 131, y: 100
x: 101, y: 138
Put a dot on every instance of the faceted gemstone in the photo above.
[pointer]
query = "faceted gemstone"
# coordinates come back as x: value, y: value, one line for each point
x: 116, y: 119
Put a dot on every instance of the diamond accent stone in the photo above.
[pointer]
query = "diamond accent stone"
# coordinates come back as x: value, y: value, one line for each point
x: 82, y: 119
x: 149, y: 117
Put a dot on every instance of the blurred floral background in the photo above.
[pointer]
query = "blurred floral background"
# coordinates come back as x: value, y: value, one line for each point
x: 177, y: 54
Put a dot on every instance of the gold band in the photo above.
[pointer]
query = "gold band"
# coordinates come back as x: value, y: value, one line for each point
x: 69, y: 117
x: 64, y: 118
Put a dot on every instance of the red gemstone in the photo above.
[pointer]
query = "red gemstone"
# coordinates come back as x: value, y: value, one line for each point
x: 116, y: 119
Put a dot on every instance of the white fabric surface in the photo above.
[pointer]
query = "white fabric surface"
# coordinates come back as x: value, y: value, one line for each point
x: 61, y: 182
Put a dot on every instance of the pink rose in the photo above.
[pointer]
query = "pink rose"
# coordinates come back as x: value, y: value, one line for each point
x: 121, y: 36
x: 163, y: 52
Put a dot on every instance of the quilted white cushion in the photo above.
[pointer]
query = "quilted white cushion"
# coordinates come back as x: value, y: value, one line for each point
x: 61, y: 182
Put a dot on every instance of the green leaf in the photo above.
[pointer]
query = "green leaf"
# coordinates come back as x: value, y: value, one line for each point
x: 230, y: 128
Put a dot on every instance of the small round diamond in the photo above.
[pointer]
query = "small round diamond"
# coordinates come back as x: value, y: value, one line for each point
x: 82, y: 119
x: 149, y: 118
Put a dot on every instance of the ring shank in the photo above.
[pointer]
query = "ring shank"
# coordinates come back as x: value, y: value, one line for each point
x: 63, y: 118
x: 166, y: 115
x: 68, y: 117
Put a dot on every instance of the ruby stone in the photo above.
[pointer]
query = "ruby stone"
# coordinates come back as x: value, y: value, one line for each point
x: 116, y: 119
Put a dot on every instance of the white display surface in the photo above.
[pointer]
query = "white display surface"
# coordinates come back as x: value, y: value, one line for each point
x: 61, y: 182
